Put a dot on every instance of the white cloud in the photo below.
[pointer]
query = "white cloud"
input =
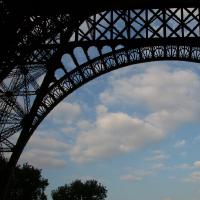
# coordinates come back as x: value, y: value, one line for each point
x: 156, y: 87
x: 193, y: 177
x: 68, y: 130
x: 157, y: 156
x: 43, y: 159
x: 186, y: 166
x: 138, y: 175
x: 47, y: 143
x: 44, y: 151
x: 101, y: 110
x: 171, y: 96
x: 113, y: 133
x: 180, y: 144
x: 65, y: 113
x: 84, y: 125
x: 197, y: 164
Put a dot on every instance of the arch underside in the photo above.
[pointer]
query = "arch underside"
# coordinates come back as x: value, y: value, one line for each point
x: 109, y: 62
x: 39, y: 77
x: 114, y: 60
x: 46, y: 57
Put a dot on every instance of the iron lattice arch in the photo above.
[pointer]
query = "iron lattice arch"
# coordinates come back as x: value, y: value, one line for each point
x: 52, y: 56
x: 44, y: 58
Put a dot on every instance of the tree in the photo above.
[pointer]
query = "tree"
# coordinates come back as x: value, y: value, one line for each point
x: 77, y: 190
x: 27, y: 182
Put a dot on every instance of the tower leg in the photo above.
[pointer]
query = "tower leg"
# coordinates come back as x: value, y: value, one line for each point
x: 7, y: 176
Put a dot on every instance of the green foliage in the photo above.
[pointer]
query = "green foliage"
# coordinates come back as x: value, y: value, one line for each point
x: 78, y: 190
x: 26, y: 184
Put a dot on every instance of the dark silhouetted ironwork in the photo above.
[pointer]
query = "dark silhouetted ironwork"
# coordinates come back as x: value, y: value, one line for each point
x: 48, y: 52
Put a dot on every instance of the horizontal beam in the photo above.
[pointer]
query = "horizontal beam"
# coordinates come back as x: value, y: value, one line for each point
x: 46, y: 7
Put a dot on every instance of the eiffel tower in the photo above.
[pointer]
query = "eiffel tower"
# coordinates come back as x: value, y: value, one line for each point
x: 48, y: 49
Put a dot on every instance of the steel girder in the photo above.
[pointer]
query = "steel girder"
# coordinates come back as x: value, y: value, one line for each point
x: 36, y: 71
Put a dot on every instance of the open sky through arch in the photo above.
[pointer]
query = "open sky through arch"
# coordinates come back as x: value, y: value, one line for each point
x: 136, y: 130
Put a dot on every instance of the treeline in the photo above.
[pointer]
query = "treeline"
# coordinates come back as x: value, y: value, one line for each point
x: 28, y: 184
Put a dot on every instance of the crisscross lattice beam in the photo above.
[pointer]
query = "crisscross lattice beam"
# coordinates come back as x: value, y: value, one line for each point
x: 44, y: 42
x: 49, y: 57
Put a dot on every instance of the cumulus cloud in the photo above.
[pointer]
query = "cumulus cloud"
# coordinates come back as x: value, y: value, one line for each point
x: 44, y: 151
x: 43, y: 159
x: 84, y: 125
x: 148, y: 86
x: 47, y: 143
x: 113, y: 133
x: 186, y: 166
x: 65, y: 113
x: 171, y: 96
x: 197, y: 164
x: 193, y: 177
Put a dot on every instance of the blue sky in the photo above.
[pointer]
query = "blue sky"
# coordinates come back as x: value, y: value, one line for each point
x: 136, y: 130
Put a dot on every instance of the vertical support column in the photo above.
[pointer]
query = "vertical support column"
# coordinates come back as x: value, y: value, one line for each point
x: 111, y: 28
x: 128, y: 24
x: 164, y: 30
x: 21, y: 143
x: 199, y: 20
x: 146, y: 23
x: 182, y: 23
